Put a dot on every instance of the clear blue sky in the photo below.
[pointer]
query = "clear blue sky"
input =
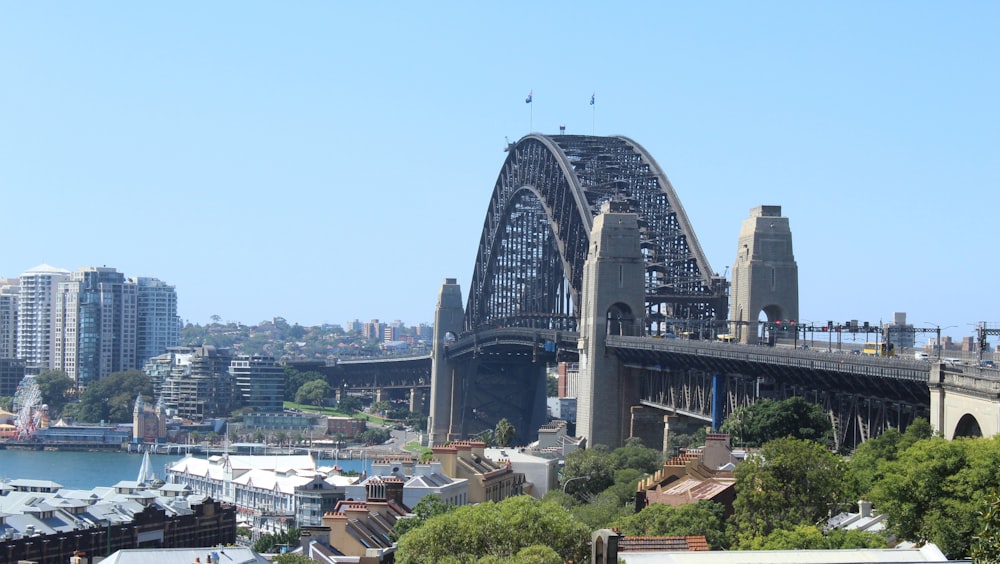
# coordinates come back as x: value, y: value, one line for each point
x: 325, y: 161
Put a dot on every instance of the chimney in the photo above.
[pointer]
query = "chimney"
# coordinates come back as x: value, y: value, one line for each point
x: 447, y: 456
x: 865, y: 508
x: 394, y: 490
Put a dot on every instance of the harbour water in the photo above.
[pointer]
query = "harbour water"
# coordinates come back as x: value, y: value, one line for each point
x: 86, y: 470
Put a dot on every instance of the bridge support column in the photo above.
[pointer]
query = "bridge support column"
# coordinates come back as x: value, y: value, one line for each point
x: 613, y: 301
x: 416, y: 400
x: 765, y: 276
x: 718, y: 400
x: 449, y: 318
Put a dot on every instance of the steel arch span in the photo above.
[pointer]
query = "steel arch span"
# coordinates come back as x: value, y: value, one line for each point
x: 536, y: 235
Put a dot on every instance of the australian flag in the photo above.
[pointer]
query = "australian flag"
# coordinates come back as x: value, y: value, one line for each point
x: 592, y: 98
x: 528, y: 99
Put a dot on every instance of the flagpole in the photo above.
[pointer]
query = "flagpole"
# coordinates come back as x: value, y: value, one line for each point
x: 593, y: 115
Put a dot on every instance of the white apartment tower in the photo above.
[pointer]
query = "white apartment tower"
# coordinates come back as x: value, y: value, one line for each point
x: 157, y: 325
x: 35, y: 327
x: 9, y: 290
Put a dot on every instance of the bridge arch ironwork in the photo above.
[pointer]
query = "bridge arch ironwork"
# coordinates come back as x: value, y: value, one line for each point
x: 529, y: 266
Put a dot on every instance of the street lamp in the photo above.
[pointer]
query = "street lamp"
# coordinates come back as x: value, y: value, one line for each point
x: 566, y: 483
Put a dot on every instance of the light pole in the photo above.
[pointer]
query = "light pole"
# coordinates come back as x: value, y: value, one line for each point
x: 938, y: 329
x: 566, y: 483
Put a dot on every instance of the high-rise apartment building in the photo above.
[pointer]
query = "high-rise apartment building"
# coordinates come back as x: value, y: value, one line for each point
x: 35, y: 327
x: 261, y: 382
x: 95, y: 324
x: 9, y: 290
x: 194, y: 382
x: 157, y: 326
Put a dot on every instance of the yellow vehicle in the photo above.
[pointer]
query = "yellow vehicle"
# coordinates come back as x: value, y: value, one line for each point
x: 879, y: 349
x: 726, y: 338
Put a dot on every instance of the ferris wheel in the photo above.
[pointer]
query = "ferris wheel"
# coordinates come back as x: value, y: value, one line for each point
x: 28, y: 407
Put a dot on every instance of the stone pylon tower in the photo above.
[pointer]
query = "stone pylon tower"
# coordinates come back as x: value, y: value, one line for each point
x: 449, y: 317
x: 613, y: 302
x: 765, y: 276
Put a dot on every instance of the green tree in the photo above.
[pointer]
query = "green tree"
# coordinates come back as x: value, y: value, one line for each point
x: 935, y: 486
x: 595, y: 464
x: 789, y: 482
x: 503, y: 434
x: 349, y: 404
x: 112, y: 398
x: 500, y: 530
x: 766, y: 420
x: 53, y: 385
x: 428, y: 507
x: 635, y: 455
x: 295, y: 379
x: 6, y: 403
x: 551, y: 386
x: 986, y: 544
x: 272, y: 543
x: 292, y: 558
x: 659, y: 519
x: 313, y: 392
x: 866, y: 465
x: 373, y: 436
x: 810, y: 537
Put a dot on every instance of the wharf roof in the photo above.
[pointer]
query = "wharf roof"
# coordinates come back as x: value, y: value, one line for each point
x: 228, y: 554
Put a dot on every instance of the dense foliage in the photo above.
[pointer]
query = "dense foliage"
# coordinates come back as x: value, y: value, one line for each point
x: 934, y: 490
x: 658, y: 519
x: 498, y: 530
x: 789, y: 482
x: 313, y: 392
x: 267, y: 544
x: 53, y: 386
x: 112, y: 399
x: 766, y: 420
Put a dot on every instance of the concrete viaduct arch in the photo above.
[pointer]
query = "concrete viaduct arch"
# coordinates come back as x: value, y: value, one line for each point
x: 965, y: 401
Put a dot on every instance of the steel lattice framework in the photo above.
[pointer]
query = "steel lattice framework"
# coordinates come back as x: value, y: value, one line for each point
x: 529, y: 267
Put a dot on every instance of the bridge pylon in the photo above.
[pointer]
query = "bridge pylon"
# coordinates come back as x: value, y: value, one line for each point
x: 613, y: 302
x: 448, y: 322
x: 765, y: 275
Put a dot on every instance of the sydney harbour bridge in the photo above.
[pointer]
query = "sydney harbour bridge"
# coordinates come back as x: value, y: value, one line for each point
x: 529, y: 306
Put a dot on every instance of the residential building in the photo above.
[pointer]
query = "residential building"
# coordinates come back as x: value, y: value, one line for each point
x: 541, y: 470
x: 419, y: 481
x: 261, y: 382
x: 704, y: 474
x: 10, y: 288
x: 158, y: 328
x: 11, y: 374
x: 42, y: 522
x: 95, y: 324
x: 194, y: 382
x: 365, y: 528
x: 609, y: 546
x: 35, y: 326
x: 488, y: 480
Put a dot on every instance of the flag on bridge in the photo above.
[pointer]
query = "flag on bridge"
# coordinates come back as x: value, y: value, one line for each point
x: 528, y: 99
x: 592, y: 98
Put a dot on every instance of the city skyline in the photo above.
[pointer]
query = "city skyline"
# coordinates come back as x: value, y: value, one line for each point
x: 325, y: 163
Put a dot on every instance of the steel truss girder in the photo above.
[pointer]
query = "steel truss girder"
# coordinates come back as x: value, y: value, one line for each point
x: 536, y: 235
x: 856, y: 417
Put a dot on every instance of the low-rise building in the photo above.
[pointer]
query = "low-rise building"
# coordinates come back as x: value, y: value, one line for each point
x: 541, y: 471
x: 271, y: 493
x: 695, y: 475
x: 488, y: 480
x: 44, y: 523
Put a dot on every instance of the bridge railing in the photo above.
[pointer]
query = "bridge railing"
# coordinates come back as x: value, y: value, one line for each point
x: 862, y: 365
